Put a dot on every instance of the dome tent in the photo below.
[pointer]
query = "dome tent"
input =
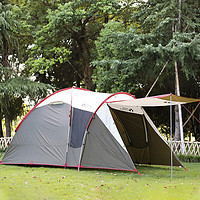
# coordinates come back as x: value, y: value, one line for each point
x: 79, y: 128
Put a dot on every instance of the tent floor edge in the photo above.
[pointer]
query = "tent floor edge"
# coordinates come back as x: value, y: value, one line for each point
x: 78, y: 166
x: 128, y: 170
x: 33, y: 164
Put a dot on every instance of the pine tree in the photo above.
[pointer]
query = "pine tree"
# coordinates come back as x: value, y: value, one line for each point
x: 130, y: 58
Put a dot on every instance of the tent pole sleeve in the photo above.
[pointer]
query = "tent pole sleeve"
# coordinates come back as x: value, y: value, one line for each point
x: 69, y: 130
x: 82, y: 148
x: 105, y: 102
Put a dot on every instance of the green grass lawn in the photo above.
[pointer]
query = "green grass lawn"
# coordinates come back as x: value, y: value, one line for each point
x: 20, y: 182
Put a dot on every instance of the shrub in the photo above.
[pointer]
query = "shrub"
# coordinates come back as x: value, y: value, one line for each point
x: 189, y: 158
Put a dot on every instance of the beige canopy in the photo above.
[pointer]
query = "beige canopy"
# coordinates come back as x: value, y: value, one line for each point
x: 141, y: 137
x: 161, y: 100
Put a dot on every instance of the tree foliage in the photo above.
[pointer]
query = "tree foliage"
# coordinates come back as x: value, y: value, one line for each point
x: 108, y: 45
x: 131, y: 57
x: 13, y: 86
x: 66, y: 41
x: 140, y: 51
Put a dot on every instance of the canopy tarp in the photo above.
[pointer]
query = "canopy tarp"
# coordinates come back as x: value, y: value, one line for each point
x: 154, y: 101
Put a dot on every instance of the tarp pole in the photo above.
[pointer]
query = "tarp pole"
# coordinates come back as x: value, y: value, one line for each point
x: 171, y: 136
x: 156, y: 79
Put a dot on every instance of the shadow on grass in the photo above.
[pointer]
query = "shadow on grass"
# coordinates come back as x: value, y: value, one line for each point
x: 144, y: 170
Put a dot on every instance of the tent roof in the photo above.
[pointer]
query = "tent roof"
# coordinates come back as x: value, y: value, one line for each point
x: 80, y: 98
x: 161, y: 100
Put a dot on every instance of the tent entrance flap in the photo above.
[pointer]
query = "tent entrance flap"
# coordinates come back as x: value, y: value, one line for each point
x: 143, y: 141
x: 134, y: 133
x: 79, y: 121
x: 101, y: 149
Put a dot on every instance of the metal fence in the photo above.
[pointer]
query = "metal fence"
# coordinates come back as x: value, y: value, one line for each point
x: 191, y: 148
x: 4, y: 142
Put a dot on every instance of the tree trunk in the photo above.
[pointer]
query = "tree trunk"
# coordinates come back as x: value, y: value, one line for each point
x: 177, y: 92
x: 196, y: 129
x: 177, y: 87
x: 180, y: 124
x: 197, y: 138
x: 88, y: 70
x: 7, y: 123
x: 78, y: 81
x: 1, y: 129
x: 177, y: 136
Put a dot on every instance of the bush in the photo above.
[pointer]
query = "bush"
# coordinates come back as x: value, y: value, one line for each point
x: 189, y: 158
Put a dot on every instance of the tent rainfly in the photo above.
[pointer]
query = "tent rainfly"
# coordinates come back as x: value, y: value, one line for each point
x: 79, y: 128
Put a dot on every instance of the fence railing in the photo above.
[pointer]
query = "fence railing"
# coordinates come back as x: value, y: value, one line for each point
x: 4, y: 142
x: 191, y: 148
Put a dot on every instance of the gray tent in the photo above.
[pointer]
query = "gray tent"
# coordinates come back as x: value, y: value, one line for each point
x: 74, y: 127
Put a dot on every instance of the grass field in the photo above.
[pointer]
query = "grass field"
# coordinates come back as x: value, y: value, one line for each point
x: 20, y: 182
